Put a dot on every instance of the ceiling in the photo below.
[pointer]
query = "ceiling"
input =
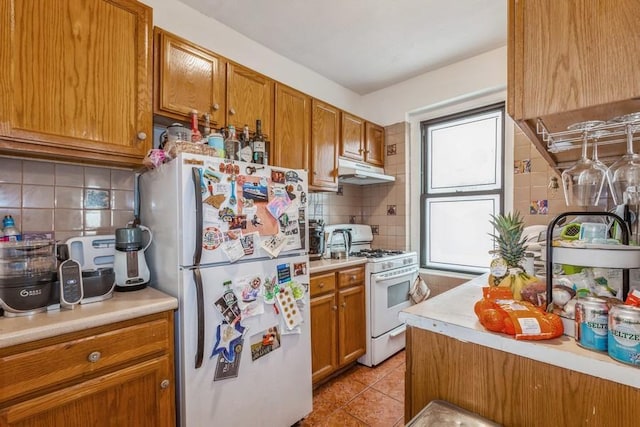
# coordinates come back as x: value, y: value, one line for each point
x: 366, y: 45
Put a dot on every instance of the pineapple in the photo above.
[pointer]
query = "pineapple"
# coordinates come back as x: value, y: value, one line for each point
x: 511, y: 249
x: 509, y: 238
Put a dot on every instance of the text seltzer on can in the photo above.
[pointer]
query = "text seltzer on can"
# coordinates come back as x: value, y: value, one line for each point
x: 592, y: 323
x: 624, y: 334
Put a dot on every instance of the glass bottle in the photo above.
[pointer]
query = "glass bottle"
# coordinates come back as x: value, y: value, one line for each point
x: 246, y: 153
x: 259, y: 146
x: 206, y: 131
x: 196, y: 136
x: 231, y: 144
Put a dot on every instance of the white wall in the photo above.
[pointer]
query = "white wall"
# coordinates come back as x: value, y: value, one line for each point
x: 182, y: 20
x: 473, y: 77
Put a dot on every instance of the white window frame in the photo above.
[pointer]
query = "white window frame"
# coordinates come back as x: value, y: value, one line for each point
x: 491, y: 191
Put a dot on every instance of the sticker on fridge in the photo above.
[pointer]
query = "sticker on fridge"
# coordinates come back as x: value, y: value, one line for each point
x: 227, y: 339
x: 299, y: 268
x: 273, y: 245
x: 265, y: 342
x: 226, y: 369
x: 228, y: 306
x: 288, y: 308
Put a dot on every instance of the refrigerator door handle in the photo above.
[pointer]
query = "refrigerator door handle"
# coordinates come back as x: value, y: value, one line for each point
x: 197, y: 277
x: 197, y: 253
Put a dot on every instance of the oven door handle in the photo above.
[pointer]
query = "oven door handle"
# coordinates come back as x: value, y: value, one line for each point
x: 378, y: 277
x: 399, y: 331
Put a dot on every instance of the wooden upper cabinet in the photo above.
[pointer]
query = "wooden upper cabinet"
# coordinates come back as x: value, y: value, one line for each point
x: 325, y: 137
x: 76, y: 80
x: 352, y: 137
x: 571, y: 61
x: 374, y: 148
x: 249, y: 97
x: 292, y: 133
x: 188, y: 78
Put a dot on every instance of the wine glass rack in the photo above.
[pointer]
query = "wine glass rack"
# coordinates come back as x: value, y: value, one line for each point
x: 572, y: 139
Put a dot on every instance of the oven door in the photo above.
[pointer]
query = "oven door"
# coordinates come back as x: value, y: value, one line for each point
x: 389, y: 295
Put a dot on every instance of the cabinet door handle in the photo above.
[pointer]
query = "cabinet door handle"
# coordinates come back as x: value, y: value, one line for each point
x: 215, y: 107
x: 164, y: 384
x: 353, y: 278
x: 344, y: 304
x: 94, y: 356
x: 360, y: 150
x: 142, y: 136
x: 321, y: 285
x: 232, y: 111
x: 334, y: 308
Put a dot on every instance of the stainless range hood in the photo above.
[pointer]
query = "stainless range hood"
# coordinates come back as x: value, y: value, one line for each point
x: 350, y: 172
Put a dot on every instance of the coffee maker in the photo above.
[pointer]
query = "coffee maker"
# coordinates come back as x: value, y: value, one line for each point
x: 130, y: 266
x: 316, y: 239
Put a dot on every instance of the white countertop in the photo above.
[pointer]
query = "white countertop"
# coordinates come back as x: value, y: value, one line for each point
x: 451, y: 314
x: 322, y: 265
x: 123, y: 306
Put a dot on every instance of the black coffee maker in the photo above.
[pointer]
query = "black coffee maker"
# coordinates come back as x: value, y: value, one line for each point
x: 316, y: 239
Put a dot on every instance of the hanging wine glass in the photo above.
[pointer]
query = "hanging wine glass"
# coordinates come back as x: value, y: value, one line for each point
x: 625, y: 173
x: 596, y: 135
x: 583, y: 182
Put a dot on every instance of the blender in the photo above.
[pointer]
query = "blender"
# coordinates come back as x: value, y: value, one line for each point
x: 129, y: 265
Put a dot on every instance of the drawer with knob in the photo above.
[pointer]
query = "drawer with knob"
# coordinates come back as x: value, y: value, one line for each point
x: 31, y: 368
x: 322, y: 283
x: 351, y: 277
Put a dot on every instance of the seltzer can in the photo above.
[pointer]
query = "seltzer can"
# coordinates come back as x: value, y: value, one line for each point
x: 592, y: 323
x: 624, y: 334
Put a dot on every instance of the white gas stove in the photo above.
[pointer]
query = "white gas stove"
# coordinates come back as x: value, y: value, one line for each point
x: 389, y: 276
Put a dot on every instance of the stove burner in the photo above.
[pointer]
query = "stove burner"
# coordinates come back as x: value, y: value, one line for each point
x: 377, y: 253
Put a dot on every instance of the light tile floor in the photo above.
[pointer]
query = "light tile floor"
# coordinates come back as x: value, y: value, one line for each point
x: 362, y: 396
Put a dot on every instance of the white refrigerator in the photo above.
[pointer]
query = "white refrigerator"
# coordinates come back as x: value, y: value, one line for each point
x: 230, y: 242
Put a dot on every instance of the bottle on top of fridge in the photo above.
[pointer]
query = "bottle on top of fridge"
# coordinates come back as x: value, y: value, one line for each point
x: 10, y: 231
x: 196, y: 136
x: 206, y: 131
x: 245, y: 153
x: 231, y: 144
x: 259, y: 145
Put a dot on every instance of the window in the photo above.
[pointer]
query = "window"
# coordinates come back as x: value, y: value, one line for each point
x: 462, y: 165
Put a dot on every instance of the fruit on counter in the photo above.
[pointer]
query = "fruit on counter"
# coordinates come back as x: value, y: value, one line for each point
x: 509, y: 238
x: 511, y: 248
x: 516, y: 280
x: 521, y: 319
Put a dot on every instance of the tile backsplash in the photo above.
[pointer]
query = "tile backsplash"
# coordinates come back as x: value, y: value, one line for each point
x: 68, y: 200
x: 383, y: 206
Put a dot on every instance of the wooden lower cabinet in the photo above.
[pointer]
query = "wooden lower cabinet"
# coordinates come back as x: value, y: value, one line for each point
x: 324, y: 332
x: 338, y: 326
x: 509, y: 389
x: 115, y: 375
